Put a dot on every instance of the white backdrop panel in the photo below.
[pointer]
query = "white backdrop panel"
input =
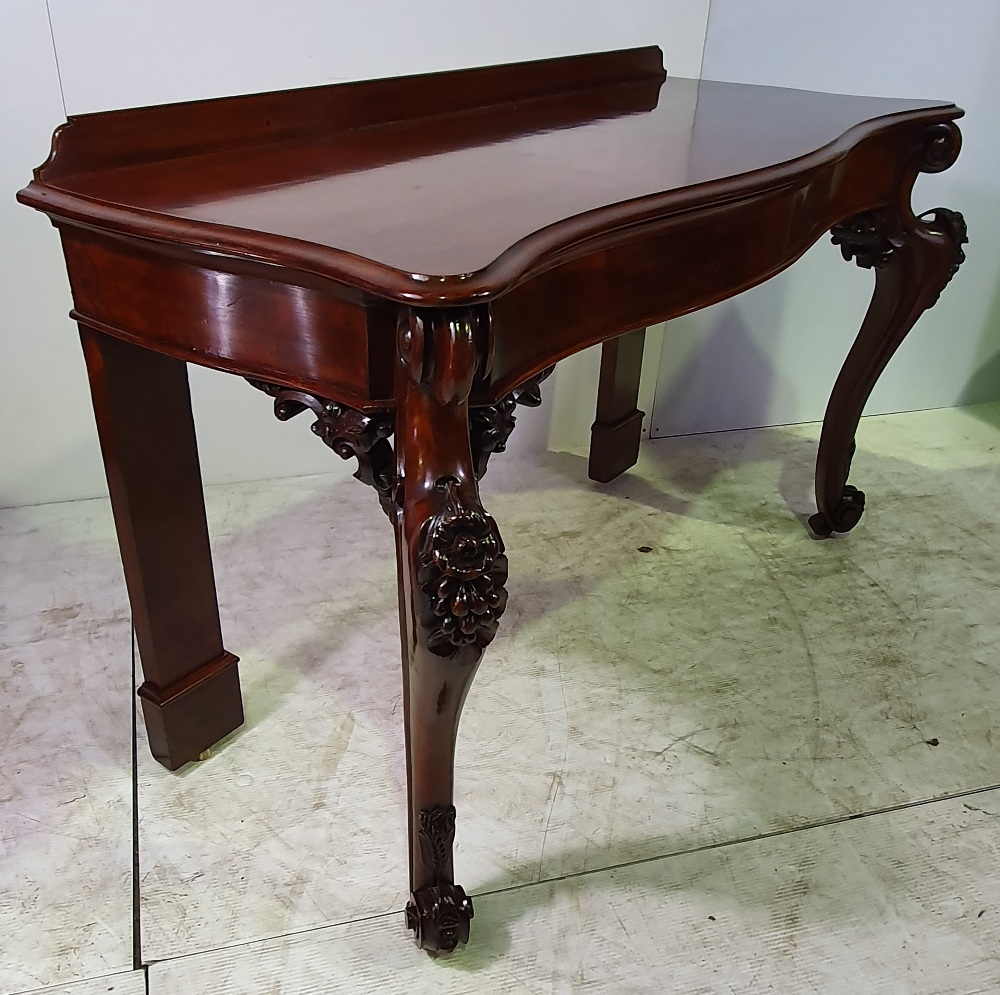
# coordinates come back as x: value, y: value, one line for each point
x: 770, y: 356
x: 119, y: 53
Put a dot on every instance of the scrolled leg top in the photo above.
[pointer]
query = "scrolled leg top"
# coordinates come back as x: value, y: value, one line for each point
x: 942, y: 144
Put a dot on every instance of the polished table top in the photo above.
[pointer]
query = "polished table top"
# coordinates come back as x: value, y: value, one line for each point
x: 517, y: 175
x: 405, y: 259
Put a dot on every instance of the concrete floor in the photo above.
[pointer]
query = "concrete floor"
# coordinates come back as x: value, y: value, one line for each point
x: 743, y: 761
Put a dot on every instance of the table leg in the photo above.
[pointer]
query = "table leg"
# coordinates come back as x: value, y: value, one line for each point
x: 452, y: 570
x: 191, y: 694
x: 615, y: 434
x: 913, y: 258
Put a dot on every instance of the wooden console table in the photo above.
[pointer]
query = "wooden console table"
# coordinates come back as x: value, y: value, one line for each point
x: 406, y: 259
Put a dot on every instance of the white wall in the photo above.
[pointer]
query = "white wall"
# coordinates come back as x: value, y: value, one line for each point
x: 770, y: 356
x: 120, y: 53
x: 45, y: 424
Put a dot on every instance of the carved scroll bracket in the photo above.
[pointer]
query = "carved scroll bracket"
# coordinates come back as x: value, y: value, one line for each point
x: 347, y: 431
x: 872, y: 237
x: 941, y: 145
x: 442, y: 350
x: 950, y: 224
x: 869, y: 239
x: 490, y: 425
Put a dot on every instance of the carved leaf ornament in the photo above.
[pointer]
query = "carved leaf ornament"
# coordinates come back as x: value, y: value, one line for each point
x: 439, y: 912
x: 490, y: 425
x: 347, y: 431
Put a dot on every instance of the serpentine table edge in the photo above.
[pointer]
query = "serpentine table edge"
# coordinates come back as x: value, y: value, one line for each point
x: 407, y: 259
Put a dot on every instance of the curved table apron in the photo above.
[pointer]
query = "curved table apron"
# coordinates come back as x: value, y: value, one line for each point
x: 407, y: 259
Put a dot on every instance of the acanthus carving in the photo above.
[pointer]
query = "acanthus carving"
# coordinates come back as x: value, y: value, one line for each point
x: 462, y: 571
x: 347, y: 431
x: 490, y: 425
x: 439, y: 913
x: 365, y: 435
x: 863, y: 238
x: 437, y: 835
x: 952, y: 225
x: 489, y: 429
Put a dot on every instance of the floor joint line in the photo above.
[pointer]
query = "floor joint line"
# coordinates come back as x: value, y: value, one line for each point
x: 836, y: 820
x: 136, y: 897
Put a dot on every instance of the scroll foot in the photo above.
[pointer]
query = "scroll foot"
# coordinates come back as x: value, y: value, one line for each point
x: 438, y: 913
x: 845, y: 515
x: 439, y: 916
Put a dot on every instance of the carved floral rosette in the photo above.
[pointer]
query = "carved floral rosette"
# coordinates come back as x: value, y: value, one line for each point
x: 462, y: 572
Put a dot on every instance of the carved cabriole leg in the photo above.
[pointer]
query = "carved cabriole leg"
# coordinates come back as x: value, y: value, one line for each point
x: 191, y: 693
x: 913, y: 258
x: 452, y: 572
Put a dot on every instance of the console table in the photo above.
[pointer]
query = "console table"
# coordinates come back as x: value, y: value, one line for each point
x: 406, y: 259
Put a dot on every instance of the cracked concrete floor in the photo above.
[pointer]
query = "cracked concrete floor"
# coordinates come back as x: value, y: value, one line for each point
x: 705, y: 753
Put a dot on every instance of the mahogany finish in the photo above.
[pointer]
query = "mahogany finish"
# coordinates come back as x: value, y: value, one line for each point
x: 617, y: 430
x: 191, y: 692
x: 407, y: 259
